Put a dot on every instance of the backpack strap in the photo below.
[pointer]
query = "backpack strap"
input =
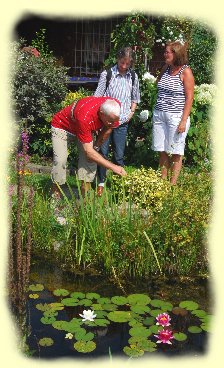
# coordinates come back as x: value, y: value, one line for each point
x: 109, y: 75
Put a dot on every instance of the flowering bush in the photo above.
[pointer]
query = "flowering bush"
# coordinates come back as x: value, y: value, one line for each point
x: 143, y: 186
x: 173, y: 29
x: 205, y: 94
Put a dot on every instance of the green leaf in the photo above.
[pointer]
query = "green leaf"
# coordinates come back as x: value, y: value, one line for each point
x: 109, y: 307
x: 140, y: 309
x: 50, y: 313
x: 100, y: 314
x: 33, y: 296
x: 36, y: 287
x: 61, y: 325
x: 119, y: 316
x: 140, y: 331
x: 179, y: 336
x: 43, y: 307
x: 61, y: 292
x: 85, y: 347
x: 155, y: 328
x: 85, y: 302
x: 147, y: 345
x: 97, y: 307
x: 189, y: 305
x: 56, y: 306
x: 199, y: 313
x: 70, y: 302
x: 155, y: 312
x: 119, y: 300
x: 133, y: 351
x: 77, y: 295
x: 138, y: 299
x: 92, y: 296
x: 149, y: 321
x: 46, y: 341
x: 134, y: 322
x: 79, y: 333
x: 205, y: 327
x: 100, y: 322
x: 47, y: 320
x: 194, y: 329
x: 103, y: 300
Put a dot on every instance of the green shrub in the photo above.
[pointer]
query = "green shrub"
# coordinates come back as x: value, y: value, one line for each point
x: 202, y: 52
x: 143, y: 187
x: 137, y: 32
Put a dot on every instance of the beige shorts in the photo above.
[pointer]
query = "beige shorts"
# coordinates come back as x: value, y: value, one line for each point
x: 60, y: 141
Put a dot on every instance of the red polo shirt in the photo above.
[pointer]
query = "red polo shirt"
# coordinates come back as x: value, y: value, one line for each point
x: 86, y: 118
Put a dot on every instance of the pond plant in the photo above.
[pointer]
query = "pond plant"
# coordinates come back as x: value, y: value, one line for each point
x: 151, y: 323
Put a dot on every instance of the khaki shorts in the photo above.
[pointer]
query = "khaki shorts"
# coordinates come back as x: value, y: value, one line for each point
x: 60, y: 141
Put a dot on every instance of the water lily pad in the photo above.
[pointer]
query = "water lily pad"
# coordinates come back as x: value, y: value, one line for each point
x: 61, y: 292
x: 103, y: 300
x: 205, y: 327
x: 140, y: 309
x: 119, y: 316
x: 134, y: 340
x: 147, y: 345
x: 166, y: 306
x: 61, y: 325
x: 85, y: 347
x: 133, y: 351
x: 140, y: 331
x: 138, y: 299
x: 85, y: 302
x: 56, y: 306
x: 50, y: 313
x: 46, y: 341
x: 109, y: 307
x: 180, y: 336
x: 47, y: 320
x: 102, y: 322
x: 100, y: 314
x: 156, y: 303
x: 189, y: 305
x: 148, y: 321
x: 33, y: 296
x: 155, y: 328
x: 199, y: 313
x: 43, y: 307
x: 77, y: 295
x: 155, y: 312
x: 119, y: 300
x: 79, y: 333
x: 97, y: 307
x: 70, y: 302
x: 36, y: 287
x: 194, y: 329
x: 134, y: 322
x: 179, y: 311
x: 92, y: 296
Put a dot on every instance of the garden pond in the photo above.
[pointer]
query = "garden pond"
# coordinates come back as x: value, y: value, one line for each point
x: 167, y: 316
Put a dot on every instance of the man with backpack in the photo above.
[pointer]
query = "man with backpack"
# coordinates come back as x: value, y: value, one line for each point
x: 120, y: 82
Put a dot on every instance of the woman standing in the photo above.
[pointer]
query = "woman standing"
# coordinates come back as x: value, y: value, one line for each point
x: 124, y: 86
x: 171, y: 113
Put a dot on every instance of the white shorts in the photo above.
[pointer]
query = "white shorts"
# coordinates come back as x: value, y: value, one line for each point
x: 165, y: 137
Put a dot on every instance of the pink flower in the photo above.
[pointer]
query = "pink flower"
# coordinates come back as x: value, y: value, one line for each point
x: 164, y: 336
x: 163, y: 319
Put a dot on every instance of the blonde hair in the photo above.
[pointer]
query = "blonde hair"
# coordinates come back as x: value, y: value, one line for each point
x: 180, y: 52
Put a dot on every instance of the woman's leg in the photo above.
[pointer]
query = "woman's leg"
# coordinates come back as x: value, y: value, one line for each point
x: 164, y: 163
x: 175, y: 167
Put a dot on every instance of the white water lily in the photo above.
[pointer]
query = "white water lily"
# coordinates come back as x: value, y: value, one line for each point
x: 143, y: 116
x: 69, y: 336
x: 88, y: 315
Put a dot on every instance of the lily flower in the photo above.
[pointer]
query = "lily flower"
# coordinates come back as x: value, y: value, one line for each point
x: 69, y: 335
x: 88, y: 315
x: 164, y: 336
x: 163, y: 319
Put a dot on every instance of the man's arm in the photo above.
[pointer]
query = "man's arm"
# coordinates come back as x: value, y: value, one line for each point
x: 93, y: 155
x: 102, y: 137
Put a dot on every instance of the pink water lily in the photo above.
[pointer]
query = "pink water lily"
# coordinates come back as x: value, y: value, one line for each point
x: 164, y: 336
x: 163, y: 319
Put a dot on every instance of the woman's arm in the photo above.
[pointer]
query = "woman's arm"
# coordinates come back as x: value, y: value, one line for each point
x: 188, y: 81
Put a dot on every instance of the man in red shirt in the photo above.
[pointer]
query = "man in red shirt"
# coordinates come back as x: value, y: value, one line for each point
x: 77, y: 122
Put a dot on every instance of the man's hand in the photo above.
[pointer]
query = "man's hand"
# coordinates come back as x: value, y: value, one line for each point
x: 119, y: 170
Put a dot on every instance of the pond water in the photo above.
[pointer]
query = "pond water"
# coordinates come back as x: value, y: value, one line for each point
x: 113, y: 338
